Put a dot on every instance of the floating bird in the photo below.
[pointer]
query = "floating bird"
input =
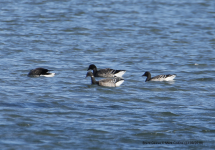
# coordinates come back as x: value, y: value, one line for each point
x: 107, y: 73
x: 168, y: 77
x: 111, y: 82
x: 40, y: 72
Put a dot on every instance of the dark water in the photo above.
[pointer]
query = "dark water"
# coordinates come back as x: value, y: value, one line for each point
x: 67, y: 112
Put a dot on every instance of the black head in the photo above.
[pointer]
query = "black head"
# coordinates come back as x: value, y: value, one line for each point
x: 147, y: 73
x: 89, y: 74
x: 91, y: 67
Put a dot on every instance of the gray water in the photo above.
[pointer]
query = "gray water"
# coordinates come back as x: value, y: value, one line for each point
x: 67, y: 112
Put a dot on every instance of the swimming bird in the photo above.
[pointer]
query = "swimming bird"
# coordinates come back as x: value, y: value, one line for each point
x: 110, y: 82
x: 40, y: 72
x: 168, y: 77
x: 107, y: 73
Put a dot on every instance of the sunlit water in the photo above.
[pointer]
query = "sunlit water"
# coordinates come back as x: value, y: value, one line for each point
x: 67, y: 112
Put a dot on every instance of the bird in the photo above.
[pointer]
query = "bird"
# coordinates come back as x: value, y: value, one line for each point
x: 109, y: 82
x: 168, y: 77
x: 40, y: 72
x: 107, y: 73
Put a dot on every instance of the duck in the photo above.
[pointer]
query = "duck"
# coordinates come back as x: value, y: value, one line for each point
x: 109, y: 82
x: 168, y: 77
x: 107, y: 73
x: 40, y: 72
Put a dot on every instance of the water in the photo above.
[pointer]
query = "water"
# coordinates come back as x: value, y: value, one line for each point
x: 67, y: 112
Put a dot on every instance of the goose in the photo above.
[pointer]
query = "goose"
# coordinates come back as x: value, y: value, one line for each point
x: 107, y: 73
x: 40, y: 72
x: 110, y: 82
x: 168, y: 77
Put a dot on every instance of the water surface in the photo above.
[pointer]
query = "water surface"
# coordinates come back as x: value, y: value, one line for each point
x: 67, y: 112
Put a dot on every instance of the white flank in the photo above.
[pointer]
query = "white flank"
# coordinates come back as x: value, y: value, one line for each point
x: 120, y: 74
x: 164, y: 78
x: 50, y: 75
x: 170, y: 78
x: 119, y: 82
x: 158, y: 79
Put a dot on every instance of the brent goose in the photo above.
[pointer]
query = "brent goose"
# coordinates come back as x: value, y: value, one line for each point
x: 107, y: 73
x: 40, y: 72
x: 168, y: 77
x: 110, y: 82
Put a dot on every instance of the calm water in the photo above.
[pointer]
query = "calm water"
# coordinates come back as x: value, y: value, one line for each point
x: 67, y: 112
